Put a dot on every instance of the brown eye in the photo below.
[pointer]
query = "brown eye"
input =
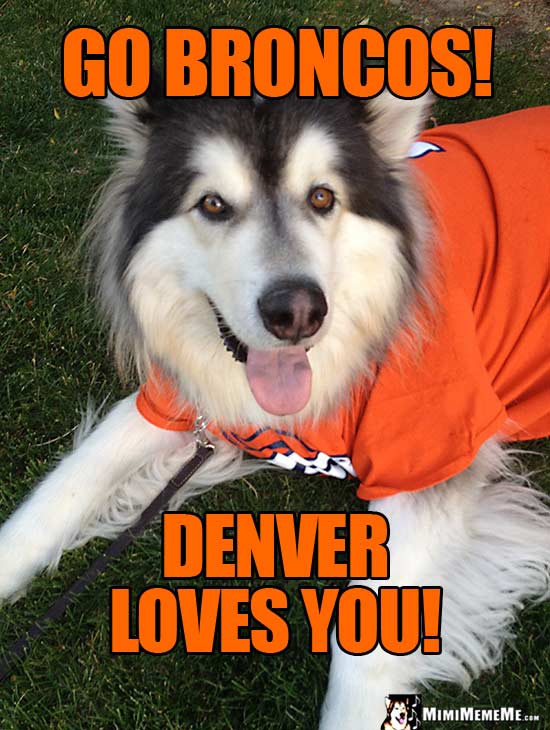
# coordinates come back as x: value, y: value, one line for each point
x: 322, y: 199
x: 214, y: 206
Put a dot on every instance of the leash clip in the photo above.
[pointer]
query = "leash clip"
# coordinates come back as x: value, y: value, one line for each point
x: 199, y: 432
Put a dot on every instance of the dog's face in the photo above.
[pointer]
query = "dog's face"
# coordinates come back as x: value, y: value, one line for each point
x: 398, y: 714
x: 262, y: 252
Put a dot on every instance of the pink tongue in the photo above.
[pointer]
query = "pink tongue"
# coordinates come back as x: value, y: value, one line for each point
x: 279, y: 379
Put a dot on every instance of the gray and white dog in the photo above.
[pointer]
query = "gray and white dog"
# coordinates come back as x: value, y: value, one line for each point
x: 232, y: 233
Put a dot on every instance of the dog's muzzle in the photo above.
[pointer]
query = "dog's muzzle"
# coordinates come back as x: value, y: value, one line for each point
x: 293, y: 310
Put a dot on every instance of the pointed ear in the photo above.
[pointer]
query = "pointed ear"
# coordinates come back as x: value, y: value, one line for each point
x: 131, y: 119
x: 388, y: 703
x: 394, y: 123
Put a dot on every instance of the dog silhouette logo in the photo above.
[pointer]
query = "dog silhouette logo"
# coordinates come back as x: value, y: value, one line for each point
x: 403, y: 712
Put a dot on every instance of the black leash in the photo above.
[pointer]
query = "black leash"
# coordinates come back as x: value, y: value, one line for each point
x: 204, y: 451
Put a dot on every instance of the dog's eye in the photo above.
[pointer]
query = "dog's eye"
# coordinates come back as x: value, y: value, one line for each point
x: 214, y: 207
x: 321, y: 200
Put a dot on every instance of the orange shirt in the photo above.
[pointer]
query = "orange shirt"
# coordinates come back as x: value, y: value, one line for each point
x: 485, y: 367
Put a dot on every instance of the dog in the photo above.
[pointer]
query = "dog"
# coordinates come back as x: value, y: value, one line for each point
x: 316, y: 282
x: 397, y: 717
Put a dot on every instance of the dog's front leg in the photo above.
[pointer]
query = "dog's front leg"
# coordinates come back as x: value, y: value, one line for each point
x: 52, y: 518
x: 358, y: 685
x: 485, y: 538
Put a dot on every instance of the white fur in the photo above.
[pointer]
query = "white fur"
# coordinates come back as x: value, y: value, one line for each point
x: 484, y: 536
x: 223, y: 168
x: 124, y: 124
x: 396, y: 124
x: 102, y: 488
x: 311, y: 161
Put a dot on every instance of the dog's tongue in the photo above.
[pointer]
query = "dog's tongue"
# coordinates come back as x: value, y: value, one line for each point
x: 280, y: 379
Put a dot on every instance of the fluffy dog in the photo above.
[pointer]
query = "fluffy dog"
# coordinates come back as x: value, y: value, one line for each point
x: 397, y: 717
x: 282, y: 268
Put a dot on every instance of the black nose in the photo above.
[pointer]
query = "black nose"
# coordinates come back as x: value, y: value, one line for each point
x: 292, y: 310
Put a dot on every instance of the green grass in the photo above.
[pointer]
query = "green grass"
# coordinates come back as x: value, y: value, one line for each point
x: 52, y: 355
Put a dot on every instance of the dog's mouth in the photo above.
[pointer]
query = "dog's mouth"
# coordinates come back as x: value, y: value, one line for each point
x: 232, y: 343
x: 279, y: 378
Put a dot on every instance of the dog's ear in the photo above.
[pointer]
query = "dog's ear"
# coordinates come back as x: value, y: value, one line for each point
x: 132, y: 119
x: 394, y: 123
x: 388, y: 703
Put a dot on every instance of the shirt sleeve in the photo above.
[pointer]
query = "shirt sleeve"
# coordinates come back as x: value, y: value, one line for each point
x: 429, y: 411
x: 159, y: 402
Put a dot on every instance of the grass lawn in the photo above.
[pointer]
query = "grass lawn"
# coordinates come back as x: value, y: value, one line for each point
x: 52, y: 354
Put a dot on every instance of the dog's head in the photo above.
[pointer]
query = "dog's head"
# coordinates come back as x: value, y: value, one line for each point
x: 397, y: 713
x: 261, y: 251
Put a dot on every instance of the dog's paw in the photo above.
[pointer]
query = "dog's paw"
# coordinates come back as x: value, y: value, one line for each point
x: 356, y: 698
x: 10, y: 593
x: 19, y: 563
x: 355, y: 714
x: 359, y: 717
x: 350, y: 720
x: 12, y: 596
x: 13, y: 585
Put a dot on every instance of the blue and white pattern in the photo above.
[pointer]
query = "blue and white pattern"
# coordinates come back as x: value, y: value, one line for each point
x: 421, y: 149
x: 330, y: 466
x: 280, y: 453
